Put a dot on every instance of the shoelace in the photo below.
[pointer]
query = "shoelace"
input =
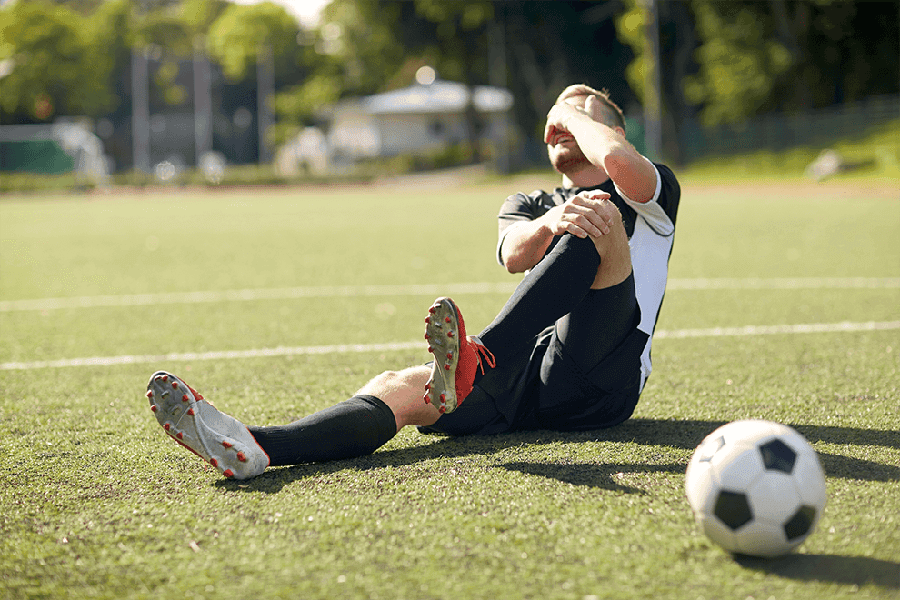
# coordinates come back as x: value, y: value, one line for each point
x: 482, y: 353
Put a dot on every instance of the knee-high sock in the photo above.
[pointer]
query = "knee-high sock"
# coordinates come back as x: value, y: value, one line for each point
x: 552, y: 289
x: 355, y: 427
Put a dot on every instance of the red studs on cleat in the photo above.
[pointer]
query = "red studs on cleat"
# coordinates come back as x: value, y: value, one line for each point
x: 153, y: 407
x: 179, y: 435
x: 228, y: 473
x: 167, y: 426
x: 149, y: 393
x: 175, y: 385
x: 214, y: 462
x: 227, y: 444
x: 185, y: 398
x: 190, y: 411
x: 241, y: 457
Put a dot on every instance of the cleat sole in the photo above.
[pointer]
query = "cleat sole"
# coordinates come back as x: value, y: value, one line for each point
x: 217, y: 438
x: 444, y: 346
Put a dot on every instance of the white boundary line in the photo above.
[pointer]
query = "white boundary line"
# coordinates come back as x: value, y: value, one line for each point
x: 288, y: 293
x: 256, y: 294
x: 109, y: 361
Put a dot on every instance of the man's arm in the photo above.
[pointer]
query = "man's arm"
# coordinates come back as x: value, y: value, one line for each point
x: 605, y: 148
x: 525, y: 243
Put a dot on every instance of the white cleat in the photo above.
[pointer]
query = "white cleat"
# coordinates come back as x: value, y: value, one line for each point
x: 219, y: 439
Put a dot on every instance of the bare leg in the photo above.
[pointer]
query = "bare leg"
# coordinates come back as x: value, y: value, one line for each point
x: 615, y: 254
x: 402, y: 391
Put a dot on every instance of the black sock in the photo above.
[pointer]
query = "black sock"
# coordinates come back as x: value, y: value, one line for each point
x: 355, y: 427
x: 551, y: 290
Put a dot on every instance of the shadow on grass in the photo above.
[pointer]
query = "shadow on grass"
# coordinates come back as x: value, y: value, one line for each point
x: 650, y: 432
x: 591, y: 475
x: 829, y: 568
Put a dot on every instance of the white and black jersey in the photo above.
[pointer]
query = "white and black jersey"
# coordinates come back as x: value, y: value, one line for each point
x: 650, y: 227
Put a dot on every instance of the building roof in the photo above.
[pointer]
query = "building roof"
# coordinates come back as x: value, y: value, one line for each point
x: 438, y: 97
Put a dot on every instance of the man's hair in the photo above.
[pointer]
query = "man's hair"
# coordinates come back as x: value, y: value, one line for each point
x: 612, y: 114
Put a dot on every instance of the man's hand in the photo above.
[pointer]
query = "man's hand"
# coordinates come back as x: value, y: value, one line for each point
x: 560, y: 115
x: 589, y: 214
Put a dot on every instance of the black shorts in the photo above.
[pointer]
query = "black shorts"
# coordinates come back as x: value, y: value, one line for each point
x: 544, y: 388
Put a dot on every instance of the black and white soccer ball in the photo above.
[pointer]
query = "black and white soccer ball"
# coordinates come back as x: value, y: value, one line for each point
x: 756, y: 488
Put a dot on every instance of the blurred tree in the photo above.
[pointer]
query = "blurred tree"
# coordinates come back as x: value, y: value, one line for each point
x: 554, y: 44
x: 199, y: 15
x: 758, y: 57
x: 459, y: 51
x: 368, y: 46
x: 740, y: 59
x: 242, y: 31
x: 677, y: 44
x: 55, y: 66
x: 840, y: 51
x: 354, y: 52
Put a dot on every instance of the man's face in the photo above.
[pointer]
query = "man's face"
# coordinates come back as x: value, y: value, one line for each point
x: 565, y: 155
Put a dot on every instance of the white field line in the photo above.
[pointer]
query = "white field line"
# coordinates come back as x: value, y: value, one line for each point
x: 109, y: 361
x: 256, y: 294
x: 289, y: 293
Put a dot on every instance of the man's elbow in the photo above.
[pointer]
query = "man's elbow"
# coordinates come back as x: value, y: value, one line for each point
x: 515, y: 264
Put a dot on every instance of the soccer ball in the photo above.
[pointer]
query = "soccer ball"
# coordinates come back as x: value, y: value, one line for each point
x: 756, y: 488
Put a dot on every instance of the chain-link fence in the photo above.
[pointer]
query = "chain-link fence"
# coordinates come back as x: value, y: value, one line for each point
x: 784, y: 131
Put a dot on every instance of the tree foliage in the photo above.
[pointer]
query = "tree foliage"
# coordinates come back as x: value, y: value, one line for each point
x: 238, y: 36
x: 55, y: 65
x: 725, y: 60
x: 749, y: 57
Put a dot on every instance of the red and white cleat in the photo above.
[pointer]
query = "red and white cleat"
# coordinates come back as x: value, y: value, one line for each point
x: 219, y: 439
x: 456, y: 356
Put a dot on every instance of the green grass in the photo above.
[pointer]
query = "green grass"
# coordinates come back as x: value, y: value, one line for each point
x: 872, y: 154
x: 96, y: 502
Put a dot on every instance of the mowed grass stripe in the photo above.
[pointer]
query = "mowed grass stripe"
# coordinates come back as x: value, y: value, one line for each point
x: 129, y: 359
x: 289, y: 293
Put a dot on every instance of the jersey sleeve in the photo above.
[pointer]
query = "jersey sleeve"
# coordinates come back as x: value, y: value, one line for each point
x: 660, y: 211
x: 517, y: 208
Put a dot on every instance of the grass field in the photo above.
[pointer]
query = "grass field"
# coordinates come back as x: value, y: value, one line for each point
x: 98, y: 292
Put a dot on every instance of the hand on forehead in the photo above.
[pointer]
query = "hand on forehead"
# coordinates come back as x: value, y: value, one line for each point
x: 586, y: 104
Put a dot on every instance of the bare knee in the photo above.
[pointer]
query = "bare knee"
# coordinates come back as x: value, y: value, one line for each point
x: 403, y: 391
x: 386, y: 383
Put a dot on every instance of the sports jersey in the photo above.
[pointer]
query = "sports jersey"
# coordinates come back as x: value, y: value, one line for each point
x: 650, y: 227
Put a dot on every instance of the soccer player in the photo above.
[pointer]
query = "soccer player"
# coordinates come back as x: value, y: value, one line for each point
x: 569, y: 351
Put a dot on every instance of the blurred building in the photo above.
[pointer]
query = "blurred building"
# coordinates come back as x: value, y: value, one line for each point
x: 420, y: 119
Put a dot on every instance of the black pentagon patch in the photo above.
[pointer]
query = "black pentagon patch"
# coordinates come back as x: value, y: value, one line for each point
x: 733, y: 509
x: 778, y: 456
x: 800, y: 524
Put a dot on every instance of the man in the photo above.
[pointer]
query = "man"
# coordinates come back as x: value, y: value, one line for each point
x: 569, y: 351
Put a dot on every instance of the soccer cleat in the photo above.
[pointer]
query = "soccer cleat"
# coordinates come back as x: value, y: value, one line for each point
x: 456, y: 356
x: 221, y: 440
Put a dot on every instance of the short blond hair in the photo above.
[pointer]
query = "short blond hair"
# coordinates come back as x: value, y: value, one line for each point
x: 612, y: 114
